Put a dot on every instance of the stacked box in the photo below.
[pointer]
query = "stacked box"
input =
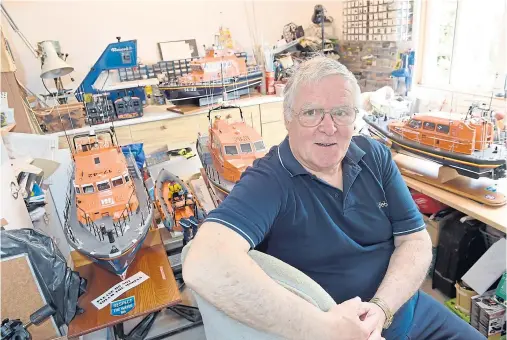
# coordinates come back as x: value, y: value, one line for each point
x: 488, y: 315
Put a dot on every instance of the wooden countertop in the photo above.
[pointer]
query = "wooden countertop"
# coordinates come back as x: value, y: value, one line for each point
x: 159, y: 112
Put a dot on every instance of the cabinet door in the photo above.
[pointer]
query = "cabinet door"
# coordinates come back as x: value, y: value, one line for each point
x: 271, y: 112
x: 175, y: 133
x: 273, y: 133
x: 252, y: 117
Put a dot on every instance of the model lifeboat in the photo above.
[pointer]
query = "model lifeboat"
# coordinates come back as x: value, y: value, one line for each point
x: 228, y: 149
x: 108, y: 211
x: 467, y: 143
x: 178, y: 208
x: 221, y: 70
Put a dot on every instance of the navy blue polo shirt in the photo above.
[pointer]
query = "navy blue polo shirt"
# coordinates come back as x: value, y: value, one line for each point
x: 343, y: 240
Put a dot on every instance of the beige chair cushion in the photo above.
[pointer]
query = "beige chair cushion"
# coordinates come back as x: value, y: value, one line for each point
x: 218, y: 325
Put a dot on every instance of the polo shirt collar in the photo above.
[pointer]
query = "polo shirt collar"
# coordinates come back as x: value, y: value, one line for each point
x: 294, y: 168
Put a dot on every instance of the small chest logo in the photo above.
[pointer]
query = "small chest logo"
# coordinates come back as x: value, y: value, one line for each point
x: 382, y: 204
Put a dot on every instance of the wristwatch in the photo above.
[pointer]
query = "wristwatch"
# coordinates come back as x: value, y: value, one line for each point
x: 385, y: 309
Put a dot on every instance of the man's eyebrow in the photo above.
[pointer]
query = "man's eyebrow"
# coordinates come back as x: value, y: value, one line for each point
x: 308, y: 106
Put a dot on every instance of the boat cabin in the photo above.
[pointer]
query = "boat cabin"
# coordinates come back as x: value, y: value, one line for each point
x: 102, y: 184
x: 234, y: 147
x: 442, y: 133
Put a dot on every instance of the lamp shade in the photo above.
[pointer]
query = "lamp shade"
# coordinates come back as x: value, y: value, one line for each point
x: 52, y: 65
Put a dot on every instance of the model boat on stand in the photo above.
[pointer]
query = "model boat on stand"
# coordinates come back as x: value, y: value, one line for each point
x: 108, y: 211
x: 467, y: 144
x: 227, y: 150
x: 178, y: 208
x: 221, y: 70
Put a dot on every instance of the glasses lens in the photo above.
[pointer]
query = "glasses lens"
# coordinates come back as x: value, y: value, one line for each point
x: 343, y: 115
x: 310, y: 117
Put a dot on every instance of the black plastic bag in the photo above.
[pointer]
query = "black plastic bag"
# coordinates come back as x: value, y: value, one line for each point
x: 60, y: 285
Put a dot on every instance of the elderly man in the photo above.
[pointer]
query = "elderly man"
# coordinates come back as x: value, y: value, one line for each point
x: 335, y: 207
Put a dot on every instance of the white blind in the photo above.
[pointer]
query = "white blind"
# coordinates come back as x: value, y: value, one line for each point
x: 466, y: 44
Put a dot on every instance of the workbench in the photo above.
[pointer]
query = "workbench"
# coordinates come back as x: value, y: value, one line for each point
x: 494, y: 216
x: 156, y: 293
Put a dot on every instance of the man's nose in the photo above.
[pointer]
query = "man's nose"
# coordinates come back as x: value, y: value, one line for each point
x: 327, y: 125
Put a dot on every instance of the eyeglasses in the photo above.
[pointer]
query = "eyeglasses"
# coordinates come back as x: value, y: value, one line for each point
x: 341, y: 116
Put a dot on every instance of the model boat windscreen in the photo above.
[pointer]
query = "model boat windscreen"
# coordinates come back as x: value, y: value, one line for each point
x: 472, y: 144
x: 108, y: 210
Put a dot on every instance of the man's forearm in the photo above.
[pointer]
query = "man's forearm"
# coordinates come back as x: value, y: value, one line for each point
x: 407, y: 269
x: 246, y: 293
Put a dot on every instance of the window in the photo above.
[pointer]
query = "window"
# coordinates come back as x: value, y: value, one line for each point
x: 245, y: 147
x: 259, y: 146
x: 96, y: 160
x: 127, y: 178
x: 415, y: 124
x: 231, y: 150
x: 101, y: 186
x: 88, y: 189
x: 429, y: 126
x: 117, y: 181
x: 78, y: 190
x: 448, y: 58
x: 443, y: 128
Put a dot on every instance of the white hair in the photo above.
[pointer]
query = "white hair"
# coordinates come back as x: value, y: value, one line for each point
x: 312, y: 71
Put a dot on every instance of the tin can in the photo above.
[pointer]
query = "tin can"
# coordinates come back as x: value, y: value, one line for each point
x: 270, y: 82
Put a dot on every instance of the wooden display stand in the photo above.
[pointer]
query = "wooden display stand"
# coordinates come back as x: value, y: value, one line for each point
x: 156, y: 293
x: 481, y: 190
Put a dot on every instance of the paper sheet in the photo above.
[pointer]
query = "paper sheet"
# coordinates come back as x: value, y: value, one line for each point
x: 118, y: 289
x: 488, y: 269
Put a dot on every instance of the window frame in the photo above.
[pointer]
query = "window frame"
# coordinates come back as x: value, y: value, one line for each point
x: 103, y: 182
x: 426, y: 129
x: 249, y: 145
x: 415, y: 120
x: 263, y: 145
x: 231, y: 146
x: 426, y: 44
x: 116, y: 178
x: 446, y: 125
x: 88, y: 185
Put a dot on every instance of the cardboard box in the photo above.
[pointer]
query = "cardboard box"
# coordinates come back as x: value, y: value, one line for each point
x: 464, y: 296
x: 487, y: 316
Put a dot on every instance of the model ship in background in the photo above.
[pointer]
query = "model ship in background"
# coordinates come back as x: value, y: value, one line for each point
x: 178, y: 208
x: 108, y: 211
x: 221, y: 70
x: 471, y: 144
x: 228, y: 149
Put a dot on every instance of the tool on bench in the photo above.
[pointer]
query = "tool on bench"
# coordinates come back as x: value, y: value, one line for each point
x: 186, y: 152
x: 14, y: 329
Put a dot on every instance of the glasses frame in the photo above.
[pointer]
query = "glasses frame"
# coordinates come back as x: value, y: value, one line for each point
x: 323, y: 114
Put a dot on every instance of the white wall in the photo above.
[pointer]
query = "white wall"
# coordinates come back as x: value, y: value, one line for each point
x: 85, y: 28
